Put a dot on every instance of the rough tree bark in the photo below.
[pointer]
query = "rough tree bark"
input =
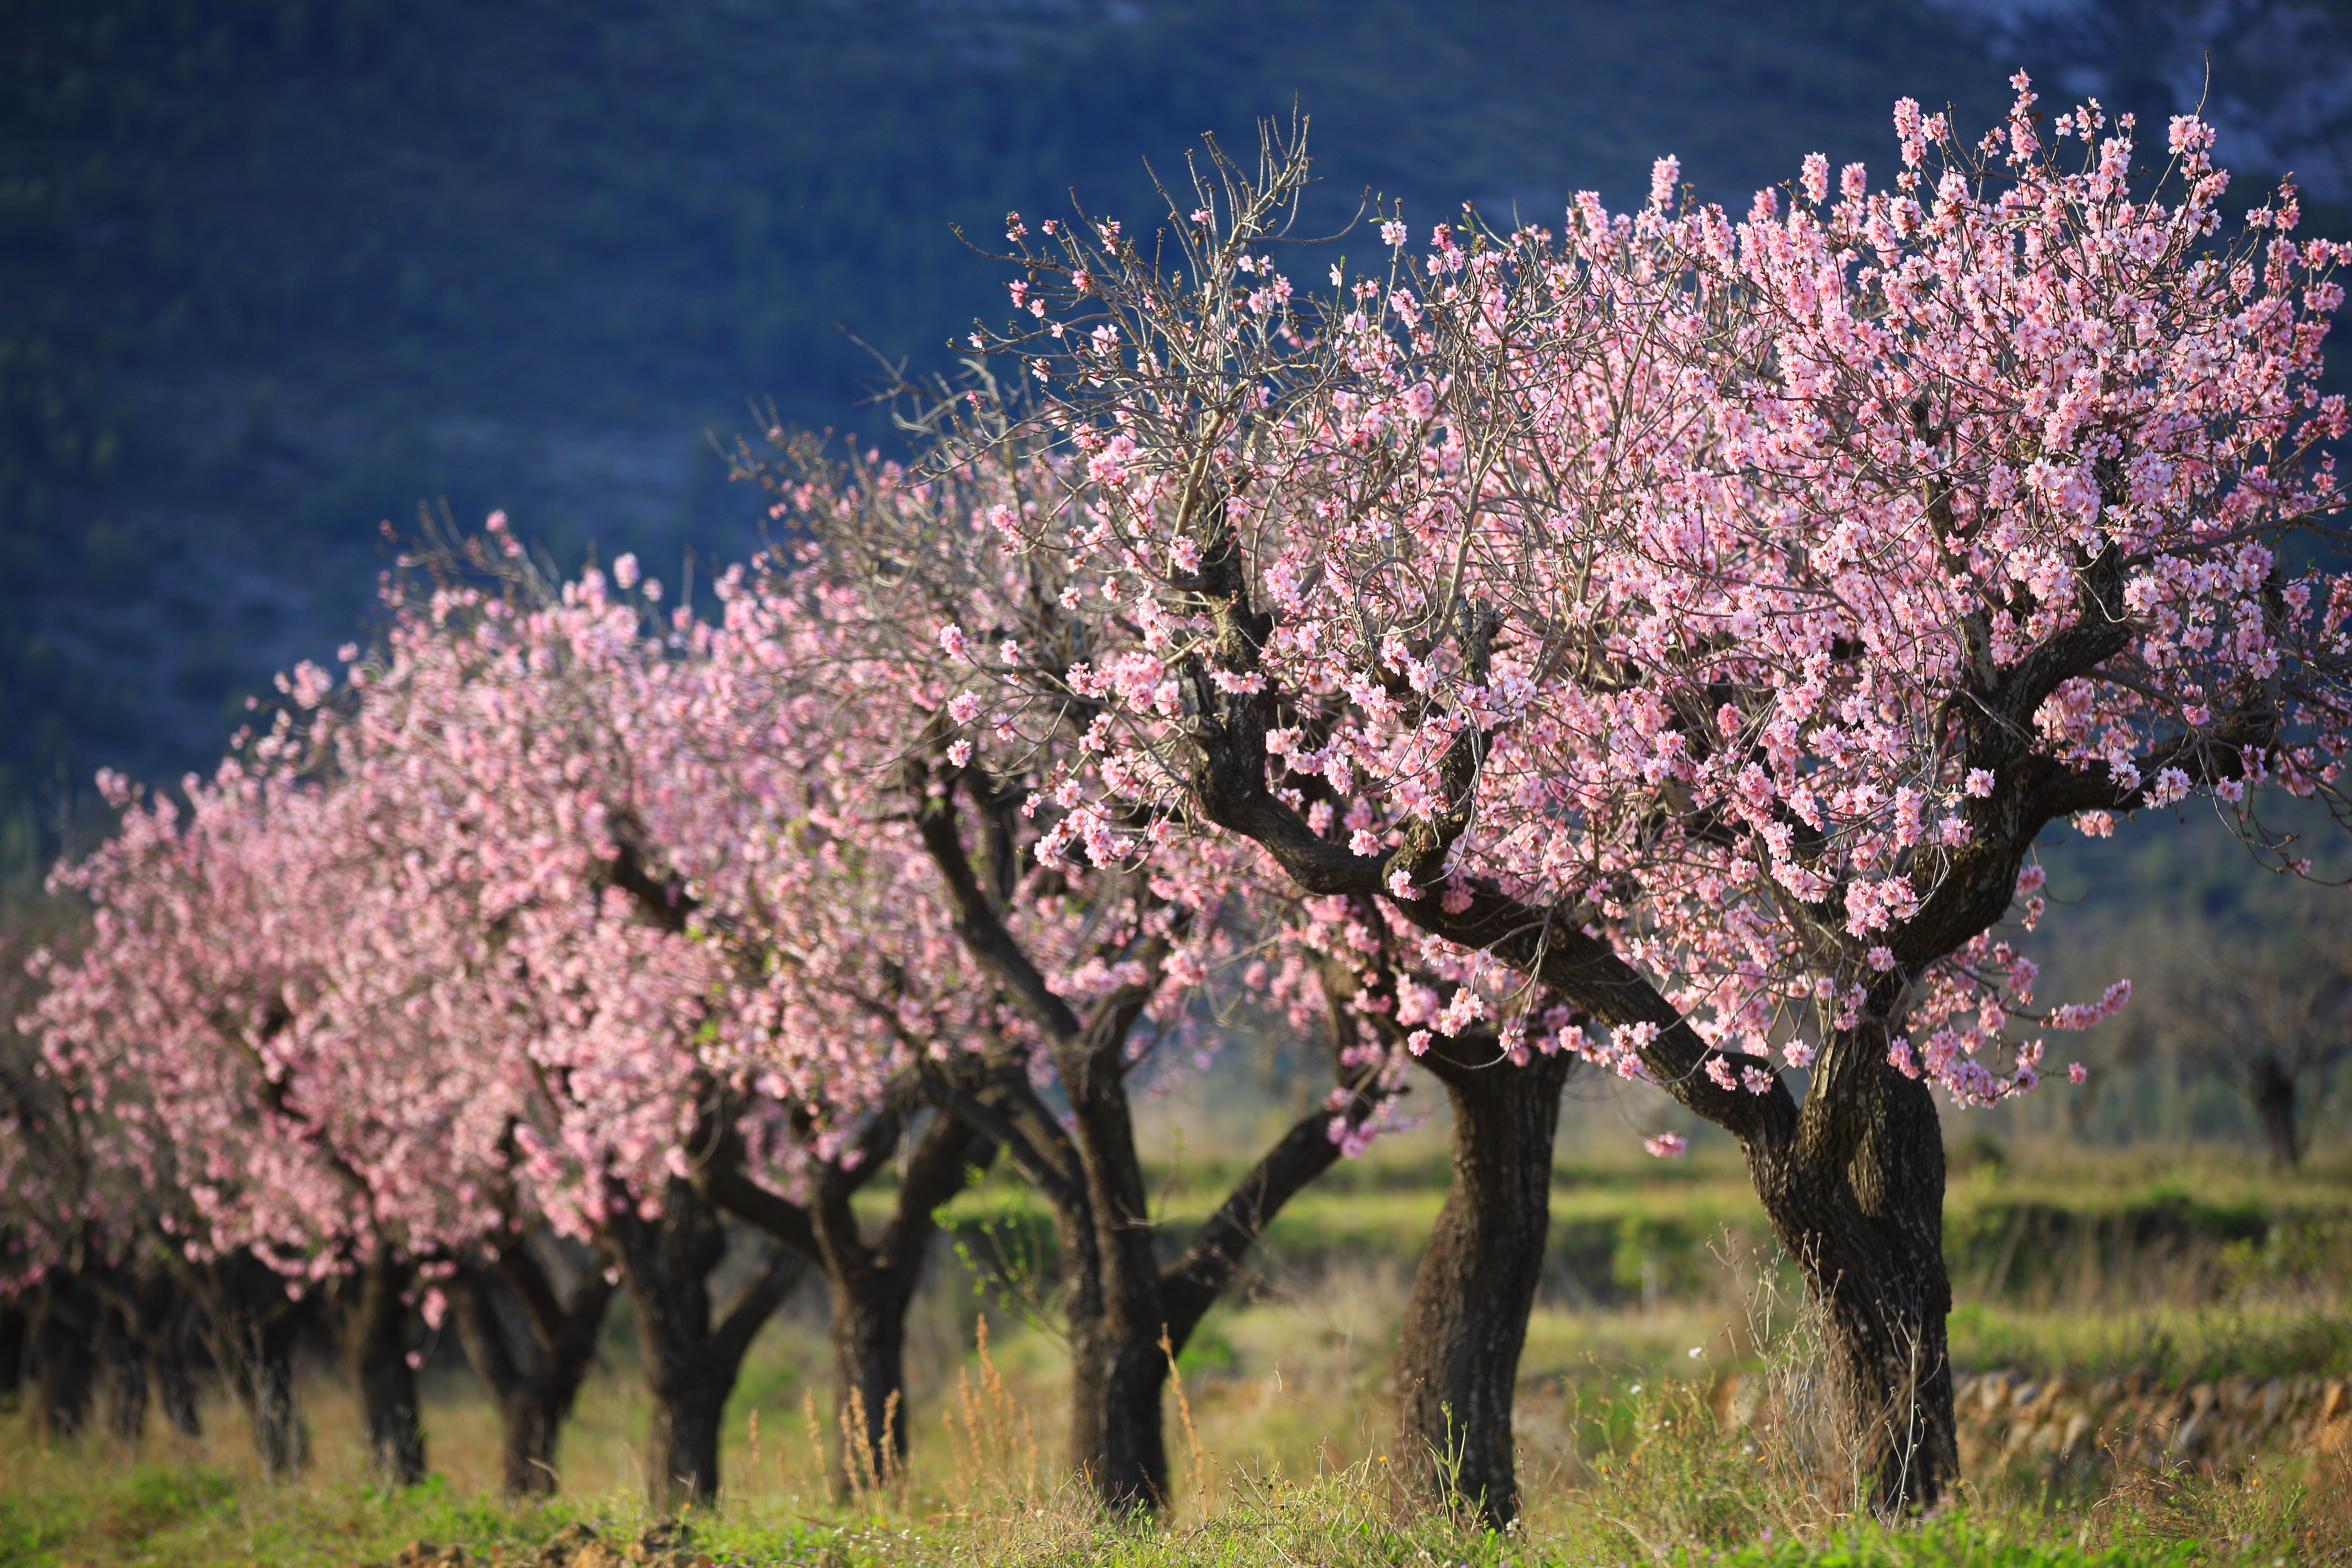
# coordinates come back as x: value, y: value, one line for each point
x: 376, y: 1342
x: 1861, y: 1210
x: 531, y: 1339
x: 690, y: 1360
x: 1457, y: 1358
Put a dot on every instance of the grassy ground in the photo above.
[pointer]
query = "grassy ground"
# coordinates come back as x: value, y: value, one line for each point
x: 2185, y: 1269
x: 1663, y: 1489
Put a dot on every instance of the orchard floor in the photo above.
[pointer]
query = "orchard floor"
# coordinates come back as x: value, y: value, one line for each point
x: 2079, y: 1267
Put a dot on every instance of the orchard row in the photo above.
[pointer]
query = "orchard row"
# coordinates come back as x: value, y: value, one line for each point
x: 1655, y: 646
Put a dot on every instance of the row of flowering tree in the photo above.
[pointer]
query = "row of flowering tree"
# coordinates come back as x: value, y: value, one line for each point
x: 1677, y: 631
x: 568, y: 914
x: 1657, y: 644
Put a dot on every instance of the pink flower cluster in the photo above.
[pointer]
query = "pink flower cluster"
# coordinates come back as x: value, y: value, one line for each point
x: 1746, y: 592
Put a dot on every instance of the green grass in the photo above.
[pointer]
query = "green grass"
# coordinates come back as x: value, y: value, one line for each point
x: 1665, y: 1498
x: 1285, y: 1389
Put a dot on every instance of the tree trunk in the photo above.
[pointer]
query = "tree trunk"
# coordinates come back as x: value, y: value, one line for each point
x: 280, y: 1440
x: 869, y: 1331
x: 2275, y: 1102
x: 1868, y: 1236
x: 873, y: 1285
x: 1118, y: 1413
x: 682, y: 1445
x: 1458, y: 1357
x: 531, y: 1346
x: 1126, y: 1316
x: 150, y: 1319
x: 531, y: 1431
x: 1116, y: 1364
x: 12, y: 1348
x: 250, y: 1327
x: 64, y: 1369
x: 690, y: 1363
x: 390, y: 1430
x: 175, y: 1382
x: 121, y: 1352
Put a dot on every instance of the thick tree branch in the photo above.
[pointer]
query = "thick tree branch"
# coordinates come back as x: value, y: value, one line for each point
x: 755, y: 1303
x: 1191, y: 1285
x: 976, y: 920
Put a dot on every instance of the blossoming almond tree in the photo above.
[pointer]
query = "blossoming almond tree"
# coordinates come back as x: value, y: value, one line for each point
x: 172, y: 1026
x: 372, y: 1000
x: 807, y: 1030
x: 1699, y: 619
x: 1083, y: 972
x: 495, y: 752
x: 941, y: 551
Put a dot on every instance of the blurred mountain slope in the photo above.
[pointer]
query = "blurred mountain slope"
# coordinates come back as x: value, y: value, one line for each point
x: 273, y: 271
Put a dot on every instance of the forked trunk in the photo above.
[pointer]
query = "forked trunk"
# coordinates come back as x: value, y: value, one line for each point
x: 532, y: 1344
x: 872, y: 1284
x: 690, y: 1360
x: 1127, y: 1316
x: 1458, y: 1356
x: 390, y: 1429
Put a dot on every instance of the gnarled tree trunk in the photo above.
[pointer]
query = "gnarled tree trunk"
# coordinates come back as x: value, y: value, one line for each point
x: 869, y: 1285
x: 872, y: 1287
x: 1862, y: 1210
x: 1126, y: 1315
x: 1457, y: 1358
